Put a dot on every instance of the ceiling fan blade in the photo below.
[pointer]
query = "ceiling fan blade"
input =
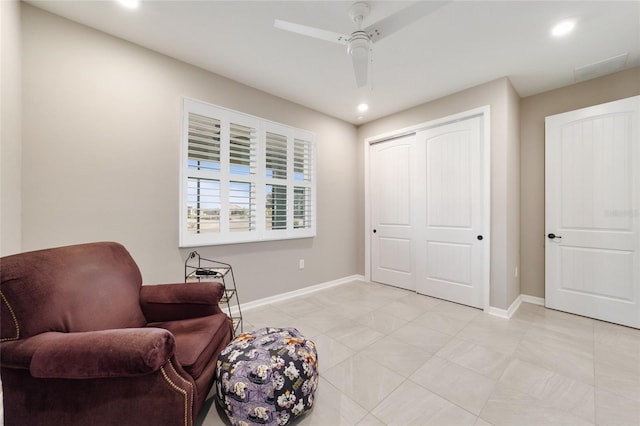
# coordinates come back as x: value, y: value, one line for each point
x: 361, y: 67
x: 311, y: 32
x: 389, y: 25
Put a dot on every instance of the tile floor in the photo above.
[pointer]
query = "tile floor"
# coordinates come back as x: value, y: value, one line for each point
x: 392, y: 357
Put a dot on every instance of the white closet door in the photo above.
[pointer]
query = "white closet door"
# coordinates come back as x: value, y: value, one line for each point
x: 393, y: 207
x: 449, y: 240
x: 593, y: 212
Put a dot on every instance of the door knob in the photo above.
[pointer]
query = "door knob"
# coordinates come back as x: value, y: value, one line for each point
x: 374, y: 231
x: 479, y: 237
x: 552, y: 236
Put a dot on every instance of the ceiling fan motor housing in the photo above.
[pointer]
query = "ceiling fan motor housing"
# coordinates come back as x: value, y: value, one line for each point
x: 359, y: 44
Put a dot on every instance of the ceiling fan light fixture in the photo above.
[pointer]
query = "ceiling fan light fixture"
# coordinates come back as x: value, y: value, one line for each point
x: 358, y: 45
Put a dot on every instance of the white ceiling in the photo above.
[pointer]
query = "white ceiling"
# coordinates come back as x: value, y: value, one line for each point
x: 462, y: 44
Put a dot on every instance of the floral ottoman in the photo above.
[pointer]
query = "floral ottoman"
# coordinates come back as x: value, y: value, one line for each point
x: 267, y: 377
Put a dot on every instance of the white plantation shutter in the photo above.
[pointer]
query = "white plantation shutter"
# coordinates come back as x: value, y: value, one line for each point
x: 242, y: 149
x: 276, y: 156
x: 243, y: 153
x: 242, y: 207
x: 302, y: 207
x: 203, y: 205
x: 276, y: 147
x: 204, y: 143
x: 302, y: 160
x: 303, y: 171
x: 244, y: 178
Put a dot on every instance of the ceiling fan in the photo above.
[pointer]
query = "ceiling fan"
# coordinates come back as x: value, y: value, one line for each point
x: 359, y: 43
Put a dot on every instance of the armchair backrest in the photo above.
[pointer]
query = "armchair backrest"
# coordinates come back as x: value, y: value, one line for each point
x: 84, y: 287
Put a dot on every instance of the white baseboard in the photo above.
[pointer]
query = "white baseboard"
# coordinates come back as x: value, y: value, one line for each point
x: 301, y: 292
x: 533, y: 299
x: 506, y: 313
x: 502, y: 313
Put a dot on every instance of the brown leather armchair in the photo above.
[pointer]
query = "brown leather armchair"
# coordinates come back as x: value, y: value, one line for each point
x: 84, y: 343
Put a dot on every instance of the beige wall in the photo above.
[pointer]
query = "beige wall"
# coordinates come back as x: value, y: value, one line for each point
x: 10, y: 128
x: 100, y: 142
x: 101, y: 145
x: 533, y: 111
x: 502, y: 99
x: 512, y: 272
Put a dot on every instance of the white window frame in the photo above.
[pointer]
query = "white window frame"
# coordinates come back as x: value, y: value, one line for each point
x: 259, y: 232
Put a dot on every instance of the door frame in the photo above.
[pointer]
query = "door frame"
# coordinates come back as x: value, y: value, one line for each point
x: 485, y: 113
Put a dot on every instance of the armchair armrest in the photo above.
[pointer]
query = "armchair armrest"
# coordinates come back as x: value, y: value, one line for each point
x: 172, y: 302
x: 125, y: 352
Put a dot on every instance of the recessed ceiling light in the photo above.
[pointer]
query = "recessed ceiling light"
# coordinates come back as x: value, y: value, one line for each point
x: 563, y: 28
x: 363, y: 107
x: 129, y: 4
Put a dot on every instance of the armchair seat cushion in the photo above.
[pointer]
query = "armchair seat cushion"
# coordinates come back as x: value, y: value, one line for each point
x: 197, y: 340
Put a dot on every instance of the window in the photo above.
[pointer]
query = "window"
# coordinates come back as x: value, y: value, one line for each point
x: 244, y: 178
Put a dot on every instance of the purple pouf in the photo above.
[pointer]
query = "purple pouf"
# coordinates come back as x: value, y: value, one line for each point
x: 267, y: 377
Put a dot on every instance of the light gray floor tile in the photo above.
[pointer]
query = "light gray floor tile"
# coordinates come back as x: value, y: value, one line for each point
x: 420, y: 301
x: 510, y: 407
x: 363, y: 380
x: 574, y: 326
x: 456, y: 310
x: 527, y: 312
x: 388, y: 292
x: 559, y: 356
x: 617, y: 338
x: 498, y: 334
x: 215, y: 417
x: 403, y: 310
x: 457, y: 384
x: 332, y: 407
x: 410, y: 404
x: 397, y: 355
x: 485, y: 361
x: 618, y: 373
x: 330, y: 352
x: 453, y: 415
x: 371, y: 420
x: 551, y: 388
x: 542, y: 367
x: 268, y: 316
x: 297, y: 307
x: 443, y: 322
x: 350, y: 309
x: 326, y: 320
x: 422, y: 337
x: 354, y: 335
x: 616, y: 410
x: 381, y: 321
x: 581, y: 340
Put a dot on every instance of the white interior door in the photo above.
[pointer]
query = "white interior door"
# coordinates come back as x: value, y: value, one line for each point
x: 450, y: 243
x: 392, y: 189
x: 592, y: 212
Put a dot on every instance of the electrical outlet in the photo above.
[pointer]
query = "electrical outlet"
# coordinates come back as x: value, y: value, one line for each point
x: 301, y: 263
